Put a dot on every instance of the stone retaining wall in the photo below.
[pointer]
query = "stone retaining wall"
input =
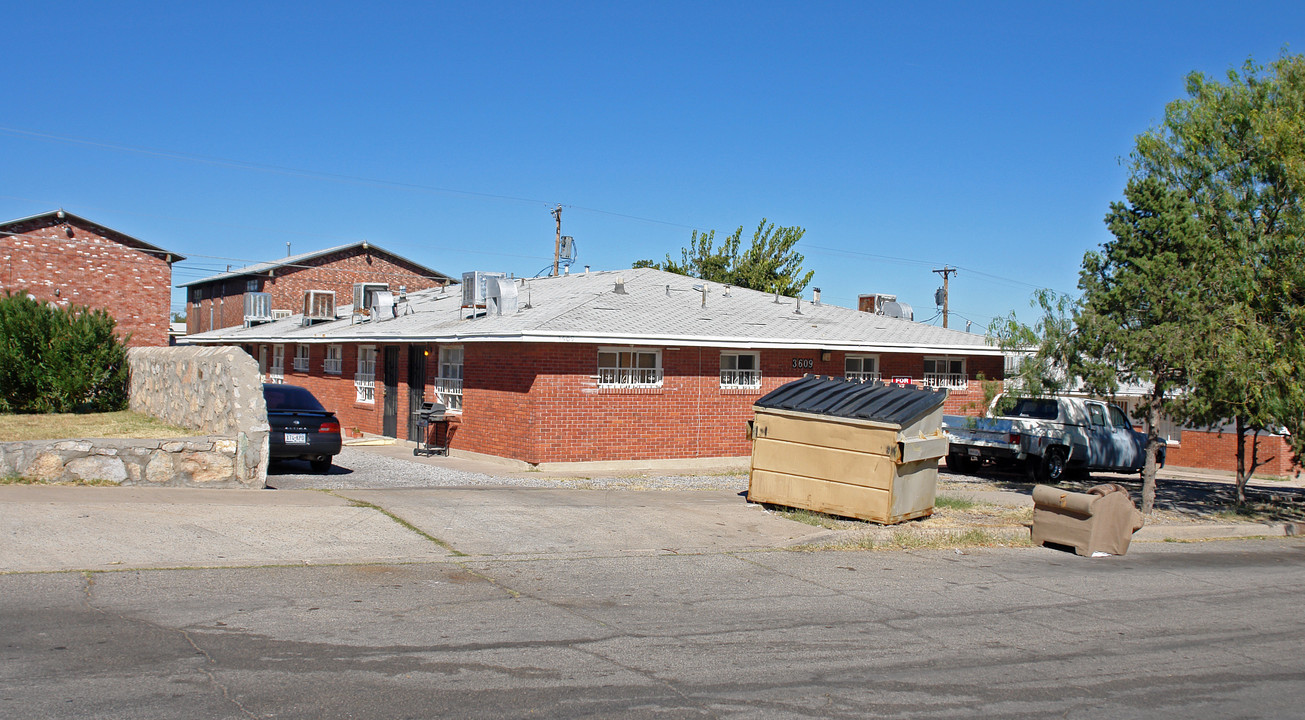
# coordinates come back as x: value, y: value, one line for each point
x: 193, y: 462
x: 218, y: 392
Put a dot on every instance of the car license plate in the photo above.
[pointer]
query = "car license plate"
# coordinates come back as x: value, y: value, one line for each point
x: 296, y: 438
x: 974, y: 452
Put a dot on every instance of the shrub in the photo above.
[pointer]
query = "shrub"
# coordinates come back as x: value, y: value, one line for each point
x: 59, y: 359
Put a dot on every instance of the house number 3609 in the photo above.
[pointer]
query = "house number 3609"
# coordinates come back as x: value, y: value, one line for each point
x: 804, y: 363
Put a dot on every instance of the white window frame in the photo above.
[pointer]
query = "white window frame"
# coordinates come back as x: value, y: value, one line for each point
x: 448, y: 381
x: 861, y: 374
x: 619, y: 367
x: 732, y: 377
x: 364, y: 378
x: 333, y: 363
x: 276, y: 373
x: 949, y: 379
x: 301, y: 357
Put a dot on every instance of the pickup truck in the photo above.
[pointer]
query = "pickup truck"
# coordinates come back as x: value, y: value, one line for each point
x: 1045, y: 437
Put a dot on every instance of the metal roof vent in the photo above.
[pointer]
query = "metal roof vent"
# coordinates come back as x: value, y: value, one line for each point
x: 501, y: 296
x: 383, y: 307
x: 898, y: 310
x: 620, y: 286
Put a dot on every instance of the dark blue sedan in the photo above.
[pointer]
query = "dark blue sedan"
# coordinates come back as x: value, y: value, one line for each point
x: 300, y: 427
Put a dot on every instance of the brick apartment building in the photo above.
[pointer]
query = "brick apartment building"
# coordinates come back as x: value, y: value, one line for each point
x: 632, y: 365
x: 218, y: 301
x: 62, y: 258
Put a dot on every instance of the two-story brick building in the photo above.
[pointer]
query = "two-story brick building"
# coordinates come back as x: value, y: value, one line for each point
x: 632, y: 365
x: 65, y: 259
x: 218, y: 301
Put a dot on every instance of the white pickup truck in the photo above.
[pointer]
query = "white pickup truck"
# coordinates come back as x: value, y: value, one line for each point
x: 1045, y: 437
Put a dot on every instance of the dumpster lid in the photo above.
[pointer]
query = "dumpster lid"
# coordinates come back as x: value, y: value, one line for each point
x: 896, y: 404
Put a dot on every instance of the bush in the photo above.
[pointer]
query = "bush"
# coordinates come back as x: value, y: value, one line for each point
x: 59, y: 359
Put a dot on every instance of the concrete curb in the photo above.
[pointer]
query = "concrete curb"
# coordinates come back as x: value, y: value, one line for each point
x: 1197, y: 531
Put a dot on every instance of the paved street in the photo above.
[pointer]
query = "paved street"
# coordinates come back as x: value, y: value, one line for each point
x: 1193, y: 631
x: 525, y: 594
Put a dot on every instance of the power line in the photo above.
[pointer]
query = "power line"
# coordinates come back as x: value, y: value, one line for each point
x: 316, y: 174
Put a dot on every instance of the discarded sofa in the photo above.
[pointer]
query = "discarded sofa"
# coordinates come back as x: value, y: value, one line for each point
x: 1101, y: 520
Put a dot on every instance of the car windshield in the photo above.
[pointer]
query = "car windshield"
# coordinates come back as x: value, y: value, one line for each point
x: 1038, y: 408
x: 289, y: 397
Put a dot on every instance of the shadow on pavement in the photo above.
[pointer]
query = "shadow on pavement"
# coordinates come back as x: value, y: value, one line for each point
x: 1186, y: 497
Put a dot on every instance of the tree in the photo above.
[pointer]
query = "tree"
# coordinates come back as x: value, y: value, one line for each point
x: 770, y: 264
x: 1237, y: 150
x: 1141, y: 319
x: 59, y: 360
x: 1144, y: 316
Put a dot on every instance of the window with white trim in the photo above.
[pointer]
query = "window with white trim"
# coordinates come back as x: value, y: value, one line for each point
x: 333, y: 362
x: 364, y: 379
x: 277, y: 373
x: 861, y: 368
x: 301, y: 358
x: 945, y: 372
x: 448, y: 385
x: 629, y: 368
x: 740, y: 370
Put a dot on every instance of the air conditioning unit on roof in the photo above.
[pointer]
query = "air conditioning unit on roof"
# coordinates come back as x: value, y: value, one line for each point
x: 475, y: 290
x: 258, y: 308
x: 364, y: 296
x: 319, y: 306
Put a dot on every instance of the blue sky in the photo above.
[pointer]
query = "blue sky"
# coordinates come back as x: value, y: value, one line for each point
x: 986, y: 136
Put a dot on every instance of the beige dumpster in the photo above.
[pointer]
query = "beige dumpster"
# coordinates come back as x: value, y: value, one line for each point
x: 1101, y: 520
x: 860, y: 450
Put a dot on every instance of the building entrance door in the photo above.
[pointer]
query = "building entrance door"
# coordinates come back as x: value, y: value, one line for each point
x: 390, y: 423
x: 416, y: 388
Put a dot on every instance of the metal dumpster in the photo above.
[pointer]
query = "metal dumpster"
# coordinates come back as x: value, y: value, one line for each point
x: 861, y: 450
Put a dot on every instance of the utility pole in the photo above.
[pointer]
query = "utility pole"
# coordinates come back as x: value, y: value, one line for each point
x: 557, y: 244
x: 945, y: 272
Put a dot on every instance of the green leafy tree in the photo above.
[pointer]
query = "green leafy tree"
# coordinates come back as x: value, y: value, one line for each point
x: 769, y: 264
x: 1237, y: 150
x: 59, y: 360
x: 1141, y: 319
x: 1144, y: 316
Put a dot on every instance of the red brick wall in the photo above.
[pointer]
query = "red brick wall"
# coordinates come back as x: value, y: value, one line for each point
x: 541, y: 402
x: 92, y: 269
x: 1211, y: 450
x: 222, y: 302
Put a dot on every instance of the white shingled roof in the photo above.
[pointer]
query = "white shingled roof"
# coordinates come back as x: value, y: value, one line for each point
x: 657, y: 308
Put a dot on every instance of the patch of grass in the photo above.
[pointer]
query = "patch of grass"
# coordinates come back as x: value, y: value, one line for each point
x: 966, y: 538
x: 915, y: 539
x: 816, y: 519
x: 953, y: 503
x: 20, y: 480
x: 59, y: 426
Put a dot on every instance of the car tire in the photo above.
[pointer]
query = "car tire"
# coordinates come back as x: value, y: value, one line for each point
x: 1051, y: 468
x: 961, y: 464
x: 322, y: 466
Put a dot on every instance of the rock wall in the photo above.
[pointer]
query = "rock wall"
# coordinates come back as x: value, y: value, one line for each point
x: 217, y: 392
x: 186, y: 462
x: 214, y: 390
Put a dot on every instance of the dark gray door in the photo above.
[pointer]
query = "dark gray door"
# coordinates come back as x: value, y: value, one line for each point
x: 391, y: 421
x: 416, y: 387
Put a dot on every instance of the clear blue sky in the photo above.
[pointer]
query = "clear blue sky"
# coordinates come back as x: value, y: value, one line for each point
x: 903, y: 136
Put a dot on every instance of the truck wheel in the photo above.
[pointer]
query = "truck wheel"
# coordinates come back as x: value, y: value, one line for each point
x: 1052, y: 467
x: 961, y: 464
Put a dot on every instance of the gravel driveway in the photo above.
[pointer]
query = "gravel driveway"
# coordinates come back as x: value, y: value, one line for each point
x: 357, y: 468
